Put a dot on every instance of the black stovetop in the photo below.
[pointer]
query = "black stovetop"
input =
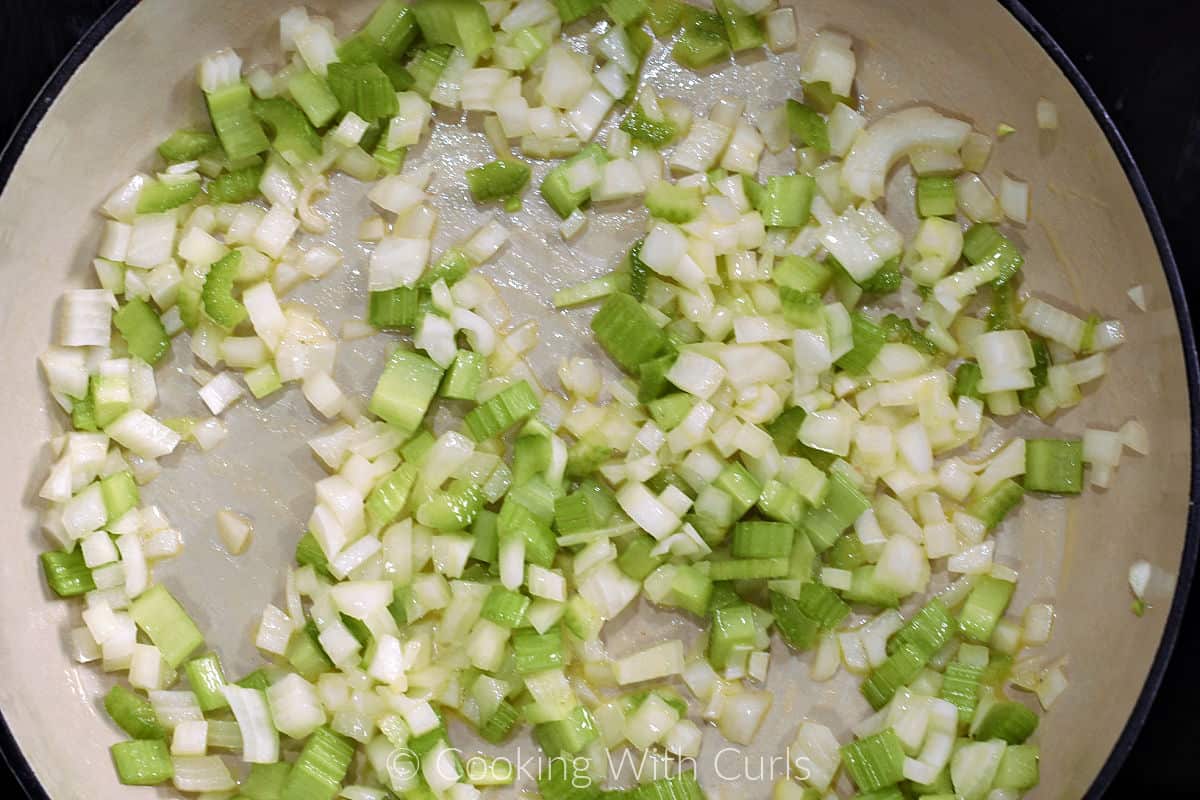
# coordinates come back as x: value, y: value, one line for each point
x: 1143, y: 62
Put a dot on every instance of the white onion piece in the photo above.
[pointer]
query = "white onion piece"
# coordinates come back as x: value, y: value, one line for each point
x: 742, y: 715
x: 1014, y: 199
x: 781, y: 29
x: 652, y: 663
x: 883, y: 143
x: 831, y: 60
x: 1047, y: 115
x: 1137, y: 294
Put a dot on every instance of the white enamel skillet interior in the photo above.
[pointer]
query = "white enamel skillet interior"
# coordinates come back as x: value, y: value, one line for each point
x: 1094, y: 234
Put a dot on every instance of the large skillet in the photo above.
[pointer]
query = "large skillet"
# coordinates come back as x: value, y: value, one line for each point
x: 1095, y: 233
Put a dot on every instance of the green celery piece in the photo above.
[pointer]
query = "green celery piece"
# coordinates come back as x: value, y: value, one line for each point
x: 639, y: 273
x: 364, y: 89
x: 392, y: 28
x: 452, y: 510
x: 292, y: 135
x: 736, y: 481
x: 158, y: 196
x: 802, y: 274
x: 310, y: 554
x: 239, y: 131
x: 571, y: 10
x: 846, y: 553
x: 799, y: 630
x: 865, y: 590
x: 133, y: 714
x: 635, y: 560
x: 787, y: 200
x: 312, y: 94
x: 595, y: 289
x: 983, y: 608
x: 187, y: 144
x: 427, y: 66
x: 627, y: 332
x: 120, y: 493
x: 670, y: 410
x: 555, y: 188
x: 1054, y: 465
x: 1003, y: 314
x: 461, y: 23
x: 405, y: 389
x: 875, y: 762
x: 505, y: 607
x: 497, y: 180
x: 1007, y: 720
x: 626, y: 12
x: 819, y: 95
x: 673, y: 203
x: 359, y: 49
x: 665, y: 16
x: 220, y: 306
x: 743, y: 30
x: 500, y: 723
x: 690, y: 590
x: 748, y: 569
x: 265, y: 781
x: 390, y: 161
x: 142, y: 330
x: 517, y: 520
x: 898, y: 329
x: 822, y: 604
x: 928, y: 630
x: 785, y: 429
x: 305, y: 654
x: 898, y: 670
x: 466, y: 373
x: 781, y: 503
x: 762, y: 540
x: 869, y: 339
x: 733, y: 629
x: 537, y: 652
x: 704, y: 40
x: 808, y: 128
x: 565, y: 779
x: 642, y: 128
x: 936, y: 196
x: 237, y: 186
x: 321, y: 767
x: 207, y: 679
x: 960, y: 686
x: 994, y: 506
x: 652, y: 375
x: 886, y: 280
x: 966, y: 380
x: 983, y: 244
x: 1040, y: 370
x: 514, y: 404
x: 1018, y: 768
x: 66, y: 573
x: 567, y: 736
x: 451, y: 267
x: 394, y: 309
x: 162, y: 619
x: 83, y: 411
x: 415, y: 449
x: 143, y: 762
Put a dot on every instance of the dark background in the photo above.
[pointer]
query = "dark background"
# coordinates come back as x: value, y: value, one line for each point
x: 1143, y: 60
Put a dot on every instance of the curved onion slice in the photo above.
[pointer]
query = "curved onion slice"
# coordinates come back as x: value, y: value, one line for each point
x: 880, y: 145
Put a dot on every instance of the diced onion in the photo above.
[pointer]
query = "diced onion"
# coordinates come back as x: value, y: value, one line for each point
x: 866, y: 166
